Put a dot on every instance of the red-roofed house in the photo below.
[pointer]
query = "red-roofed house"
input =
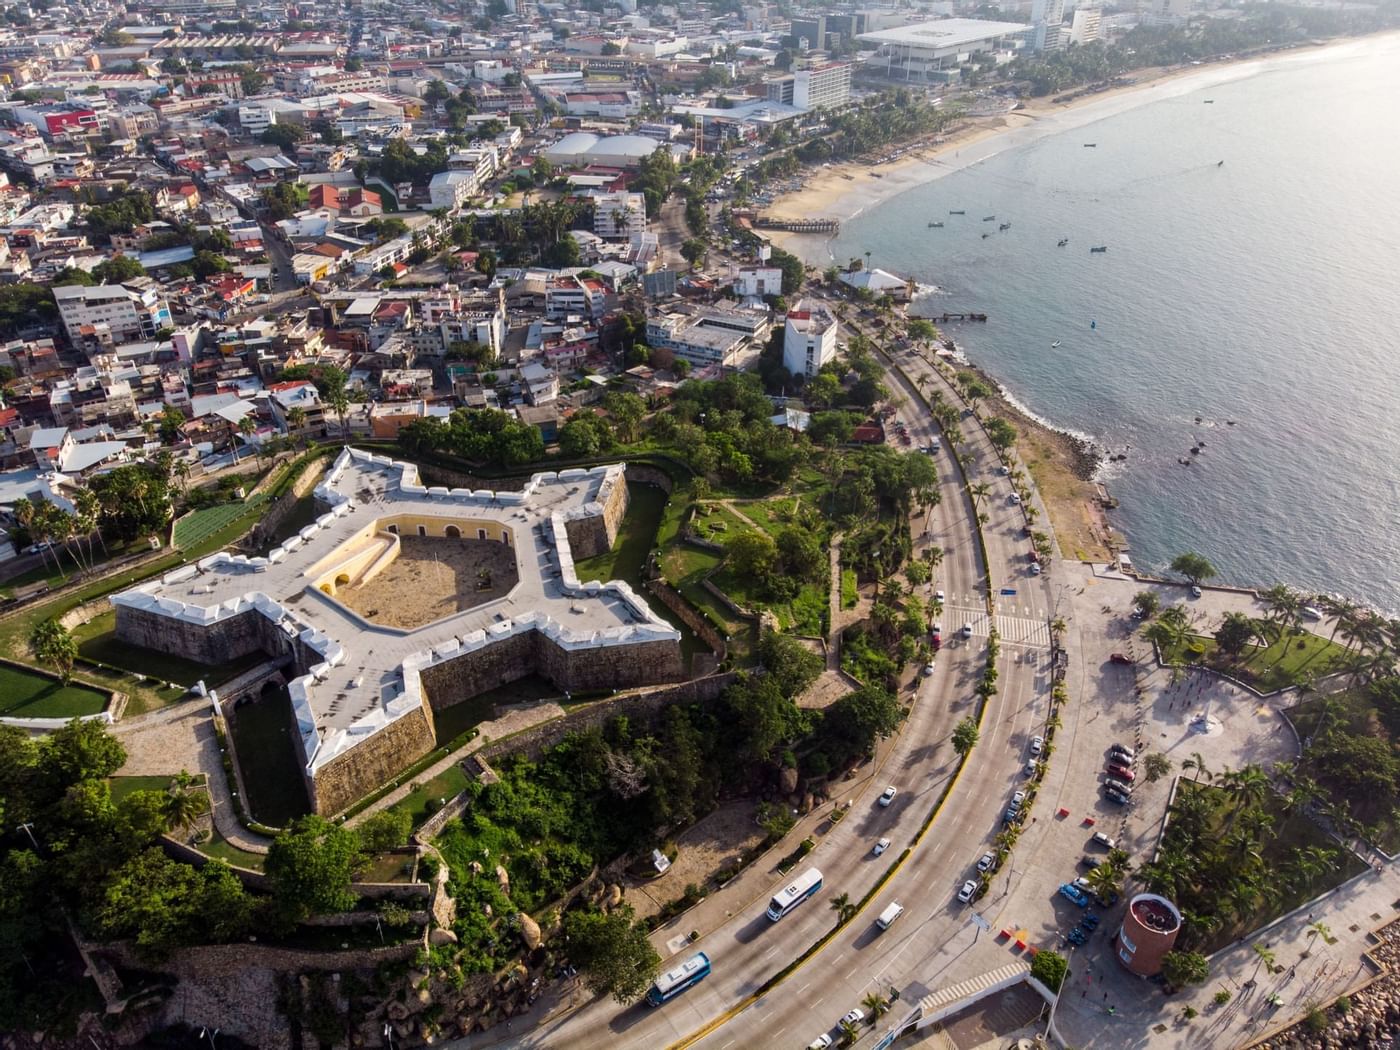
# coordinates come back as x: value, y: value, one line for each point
x: 358, y: 202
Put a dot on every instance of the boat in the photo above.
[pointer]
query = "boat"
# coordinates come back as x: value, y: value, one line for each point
x: 1004, y: 227
x: 1093, y: 324
x: 1090, y: 145
x: 989, y: 218
x: 1063, y: 242
x: 1055, y: 345
x: 1221, y: 164
x: 1100, y: 248
x: 1210, y: 102
x: 985, y: 236
x: 935, y: 226
x: 957, y: 213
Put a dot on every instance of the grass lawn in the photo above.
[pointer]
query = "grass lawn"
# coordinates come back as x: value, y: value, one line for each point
x: 444, y: 786
x: 716, y: 523
x: 387, y: 867
x: 28, y: 694
x: 193, y: 529
x: 123, y: 786
x: 1281, y: 664
x: 267, y: 758
x: 771, y: 515
x: 850, y: 593
x: 218, y: 848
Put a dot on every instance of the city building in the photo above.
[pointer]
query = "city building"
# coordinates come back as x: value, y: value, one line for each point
x: 816, y: 87
x: 1047, y: 17
x: 758, y: 281
x: 931, y: 52
x: 809, y: 338
x: 1087, y: 25
x: 123, y: 313
x: 619, y: 215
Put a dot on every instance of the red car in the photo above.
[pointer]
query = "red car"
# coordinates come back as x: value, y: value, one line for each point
x: 1121, y: 772
x: 1120, y: 658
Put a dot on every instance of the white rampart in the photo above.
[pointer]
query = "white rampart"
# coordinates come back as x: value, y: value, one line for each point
x: 383, y: 663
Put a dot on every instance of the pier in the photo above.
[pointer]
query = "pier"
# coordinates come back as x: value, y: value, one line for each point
x: 831, y: 226
x: 947, y: 318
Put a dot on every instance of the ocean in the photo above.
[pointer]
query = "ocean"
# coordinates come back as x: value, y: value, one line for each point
x: 1253, y: 305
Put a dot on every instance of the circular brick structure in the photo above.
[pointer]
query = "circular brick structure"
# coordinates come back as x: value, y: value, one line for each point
x: 1150, y: 929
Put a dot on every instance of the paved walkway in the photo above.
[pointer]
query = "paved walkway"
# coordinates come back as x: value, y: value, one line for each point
x: 511, y: 721
x: 182, y: 737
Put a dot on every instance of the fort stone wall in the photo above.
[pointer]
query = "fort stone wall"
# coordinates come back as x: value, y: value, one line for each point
x: 355, y: 773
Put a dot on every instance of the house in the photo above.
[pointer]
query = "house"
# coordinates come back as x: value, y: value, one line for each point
x: 541, y: 385
x: 544, y: 418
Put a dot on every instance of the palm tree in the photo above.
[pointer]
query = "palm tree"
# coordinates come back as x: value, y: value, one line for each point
x: 1198, y: 763
x: 875, y: 1006
x: 1106, y: 881
x: 184, y: 804
x: 849, y: 1033
x: 1251, y: 784
x: 845, y: 910
x: 296, y: 419
x: 52, y: 644
x: 1342, y: 608
x: 1320, y: 929
x: 978, y: 492
x: 1265, y: 956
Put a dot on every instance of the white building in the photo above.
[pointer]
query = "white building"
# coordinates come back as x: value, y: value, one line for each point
x: 759, y: 280
x: 128, y: 313
x: 924, y: 51
x: 619, y: 215
x: 452, y: 189
x: 828, y: 84
x: 1087, y: 25
x: 1046, y: 19
x: 809, y: 338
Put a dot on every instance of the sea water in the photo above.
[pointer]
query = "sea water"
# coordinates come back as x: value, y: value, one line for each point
x: 1263, y: 292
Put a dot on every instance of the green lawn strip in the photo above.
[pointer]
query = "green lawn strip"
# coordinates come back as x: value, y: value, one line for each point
x: 772, y: 515
x: 850, y: 593
x: 717, y: 523
x: 1267, y: 669
x: 28, y: 694
x: 121, y: 787
x: 423, y: 801
x: 387, y: 867
x: 218, y: 847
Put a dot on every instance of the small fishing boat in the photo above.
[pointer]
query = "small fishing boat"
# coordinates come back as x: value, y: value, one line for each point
x: 1004, y: 227
x: 1093, y: 324
x: 1210, y: 102
x: 985, y: 236
x: 1055, y: 345
x: 1063, y: 242
x: 935, y: 226
x: 957, y: 213
x: 989, y: 218
x: 1100, y: 248
x: 1221, y: 164
x: 1090, y: 145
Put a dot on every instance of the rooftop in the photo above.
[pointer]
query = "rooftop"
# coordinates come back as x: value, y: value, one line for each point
x: 945, y: 33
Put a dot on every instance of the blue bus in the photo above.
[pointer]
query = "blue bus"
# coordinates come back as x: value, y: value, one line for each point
x: 671, y: 983
x: 790, y: 896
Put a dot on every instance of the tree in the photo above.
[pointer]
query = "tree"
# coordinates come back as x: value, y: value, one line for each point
x: 627, y: 411
x: 842, y: 906
x: 184, y: 803
x: 788, y: 662
x: 310, y: 867
x: 693, y: 251
x: 387, y: 829
x: 922, y: 331
x: 751, y: 554
x: 1182, y: 968
x: 1193, y: 566
x: 80, y: 750
x: 1001, y: 433
x: 614, y: 953
x: 207, y: 263
x: 1156, y: 765
x: 54, y: 645
x: 284, y: 136
x: 1235, y: 632
x: 1050, y: 968
x: 965, y: 736
x: 1147, y: 603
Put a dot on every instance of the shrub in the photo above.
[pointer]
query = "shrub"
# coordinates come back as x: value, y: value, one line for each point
x: 1222, y: 997
x: 1316, y: 1021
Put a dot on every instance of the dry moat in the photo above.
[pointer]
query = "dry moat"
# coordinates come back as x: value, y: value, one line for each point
x: 432, y: 578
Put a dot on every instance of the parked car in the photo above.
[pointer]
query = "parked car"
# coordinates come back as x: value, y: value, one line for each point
x: 880, y: 847
x: 1035, y: 570
x: 855, y: 1016
x: 1090, y: 862
x: 1037, y: 744
x: 821, y: 1042
x: 1072, y: 893
x: 1030, y: 767
x: 887, y: 796
x: 938, y: 597
x: 1104, y: 840
x: 1016, y: 498
x: 1113, y: 794
x: 1129, y: 755
x: 986, y: 861
x: 968, y: 891
x: 1122, y: 772
x: 1120, y: 658
x: 1017, y: 799
x: 1005, y: 470
x: 1118, y: 785
x: 1196, y: 592
x: 929, y: 668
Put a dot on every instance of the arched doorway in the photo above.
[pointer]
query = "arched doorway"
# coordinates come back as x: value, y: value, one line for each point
x: 452, y: 532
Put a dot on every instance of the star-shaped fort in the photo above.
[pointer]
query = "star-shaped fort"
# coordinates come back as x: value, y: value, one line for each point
x: 370, y: 665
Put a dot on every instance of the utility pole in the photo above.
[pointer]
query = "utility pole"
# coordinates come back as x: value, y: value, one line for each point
x: 28, y: 828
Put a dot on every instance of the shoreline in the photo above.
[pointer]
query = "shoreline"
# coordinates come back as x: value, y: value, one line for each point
x: 849, y: 188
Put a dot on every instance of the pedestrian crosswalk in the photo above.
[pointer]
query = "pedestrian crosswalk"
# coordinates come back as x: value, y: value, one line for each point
x: 1029, y: 629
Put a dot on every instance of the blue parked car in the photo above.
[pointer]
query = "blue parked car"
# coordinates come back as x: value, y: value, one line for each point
x: 1089, y: 921
x: 1072, y: 893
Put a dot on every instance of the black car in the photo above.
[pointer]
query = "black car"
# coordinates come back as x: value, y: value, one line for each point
x: 1090, y: 862
x: 1123, y: 754
x: 1114, y: 795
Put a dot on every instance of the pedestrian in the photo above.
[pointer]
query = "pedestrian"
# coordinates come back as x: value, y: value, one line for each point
x: 1105, y: 997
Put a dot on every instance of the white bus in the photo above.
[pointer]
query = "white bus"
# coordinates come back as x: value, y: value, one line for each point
x: 671, y: 983
x: 797, y: 891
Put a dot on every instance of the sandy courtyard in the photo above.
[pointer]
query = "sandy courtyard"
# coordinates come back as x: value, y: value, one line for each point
x: 432, y: 578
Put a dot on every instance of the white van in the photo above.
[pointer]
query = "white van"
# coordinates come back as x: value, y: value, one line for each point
x: 887, y: 917
x: 1311, y: 612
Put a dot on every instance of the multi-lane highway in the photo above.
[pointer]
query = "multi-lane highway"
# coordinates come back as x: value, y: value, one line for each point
x: 924, y: 946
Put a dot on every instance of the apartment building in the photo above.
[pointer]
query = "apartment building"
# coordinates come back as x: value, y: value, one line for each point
x: 619, y: 215
x: 816, y: 87
x: 809, y: 338
x: 127, y: 312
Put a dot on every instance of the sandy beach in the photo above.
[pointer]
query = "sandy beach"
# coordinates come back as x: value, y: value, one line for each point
x: 842, y: 191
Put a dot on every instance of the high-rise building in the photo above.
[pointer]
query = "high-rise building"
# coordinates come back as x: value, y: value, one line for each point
x: 815, y: 87
x: 809, y: 338
x: 1046, y: 18
x: 128, y: 313
x: 1087, y: 25
x: 1167, y: 12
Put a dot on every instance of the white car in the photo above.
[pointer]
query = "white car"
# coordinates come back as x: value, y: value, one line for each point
x: 968, y: 889
x: 929, y: 668
x: 1030, y: 767
x: 1037, y: 744
x: 1017, y: 799
x: 938, y: 597
x: 1035, y: 570
x: 856, y: 1016
x: 986, y: 862
x: 880, y: 847
x: 887, y: 796
x: 1005, y: 470
x: 821, y: 1042
x: 966, y: 631
x: 1016, y: 497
